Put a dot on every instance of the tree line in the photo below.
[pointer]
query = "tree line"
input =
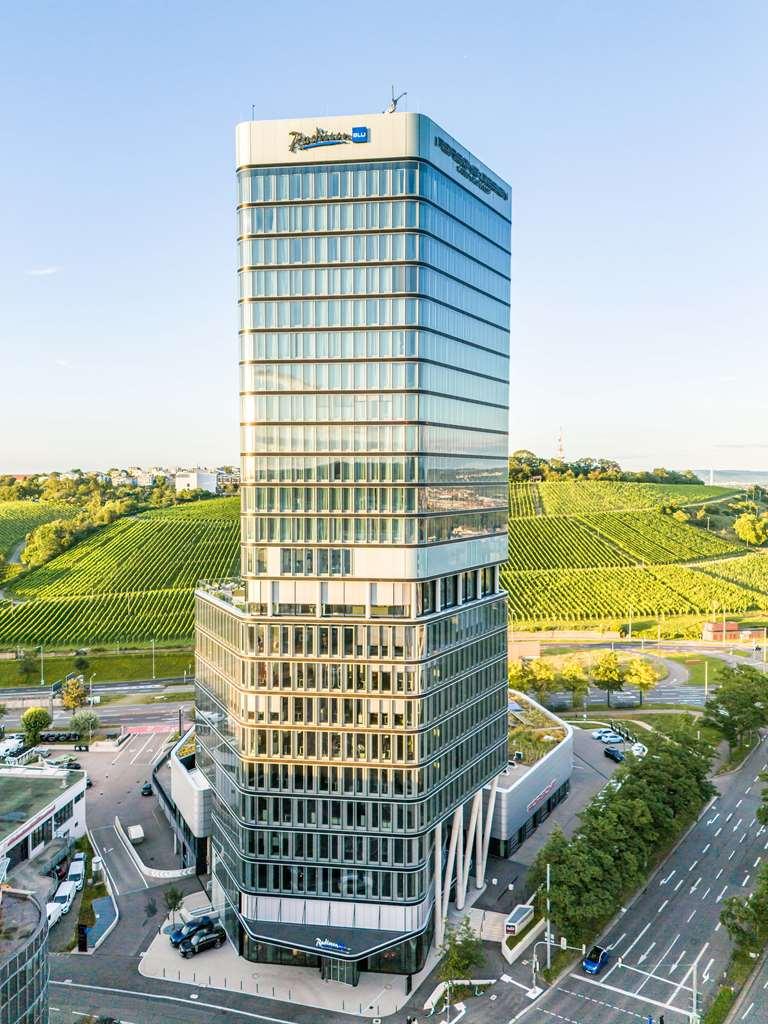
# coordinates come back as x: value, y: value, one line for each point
x: 606, y: 672
x: 646, y: 807
x: 525, y: 465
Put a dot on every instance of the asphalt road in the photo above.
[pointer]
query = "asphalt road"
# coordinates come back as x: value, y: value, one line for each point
x: 674, y: 922
x: 753, y: 1008
x: 114, y: 716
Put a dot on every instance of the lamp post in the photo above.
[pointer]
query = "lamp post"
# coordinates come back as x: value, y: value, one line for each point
x: 90, y: 689
x: 153, y: 658
x: 42, y: 667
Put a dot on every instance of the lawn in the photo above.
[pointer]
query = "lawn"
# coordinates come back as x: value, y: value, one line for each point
x: 698, y: 665
x: 108, y: 667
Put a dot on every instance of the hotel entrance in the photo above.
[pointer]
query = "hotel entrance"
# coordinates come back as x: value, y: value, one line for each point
x: 345, y: 971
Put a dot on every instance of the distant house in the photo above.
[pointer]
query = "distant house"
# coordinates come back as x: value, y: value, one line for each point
x: 714, y: 631
x: 197, y: 480
x: 123, y: 479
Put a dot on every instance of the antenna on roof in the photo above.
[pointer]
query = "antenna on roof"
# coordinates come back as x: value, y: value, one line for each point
x: 253, y: 111
x: 393, y: 102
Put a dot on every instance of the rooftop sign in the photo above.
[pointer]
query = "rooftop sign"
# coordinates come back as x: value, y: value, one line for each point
x: 321, y: 137
x: 478, y: 178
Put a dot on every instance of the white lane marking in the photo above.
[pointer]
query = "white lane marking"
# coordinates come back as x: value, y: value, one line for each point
x: 718, y: 926
x: 748, y: 1010
x: 713, y: 820
x: 719, y: 873
x: 731, y: 855
x: 123, y: 749
x: 718, y: 832
x: 613, y: 945
x: 130, y: 857
x: 621, y: 992
x: 660, y: 961
x: 101, y: 854
x: 138, y: 752
x: 729, y: 817
x: 739, y: 822
x: 687, y: 975
x: 665, y: 880
x: 756, y: 862
x: 742, y: 837
x: 704, y: 895
x: 721, y: 894
x: 693, y: 865
x: 662, y: 906
x: 695, y: 885
x: 746, y: 879
x: 707, y: 969
x: 690, y: 917
x: 739, y: 803
x: 678, y: 885
x: 171, y: 999
x: 706, y: 848
x: 676, y: 964
x: 632, y: 945
x: 747, y: 790
x: 766, y: 846
x: 645, y: 954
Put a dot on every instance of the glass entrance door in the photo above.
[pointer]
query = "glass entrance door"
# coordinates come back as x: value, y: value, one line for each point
x: 345, y: 971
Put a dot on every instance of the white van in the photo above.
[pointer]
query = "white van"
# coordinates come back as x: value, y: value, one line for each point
x: 76, y: 873
x: 65, y: 896
x: 53, y: 913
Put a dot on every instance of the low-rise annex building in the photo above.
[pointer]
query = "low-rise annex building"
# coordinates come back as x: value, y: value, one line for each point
x: 39, y: 803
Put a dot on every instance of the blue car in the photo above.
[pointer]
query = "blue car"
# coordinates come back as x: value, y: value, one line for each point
x: 186, y: 931
x: 595, y: 960
x: 614, y: 754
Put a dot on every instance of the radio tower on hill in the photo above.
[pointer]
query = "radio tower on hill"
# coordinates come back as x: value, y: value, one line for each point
x: 560, y: 449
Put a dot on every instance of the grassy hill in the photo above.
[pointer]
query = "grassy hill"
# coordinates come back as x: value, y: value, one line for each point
x: 583, y: 552
x: 131, y: 581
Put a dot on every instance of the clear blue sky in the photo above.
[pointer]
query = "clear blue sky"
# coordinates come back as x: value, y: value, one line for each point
x: 633, y: 134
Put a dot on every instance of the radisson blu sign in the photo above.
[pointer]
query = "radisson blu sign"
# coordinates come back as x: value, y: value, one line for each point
x: 321, y: 137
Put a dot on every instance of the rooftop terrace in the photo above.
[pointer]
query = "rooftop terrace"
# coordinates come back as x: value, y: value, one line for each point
x: 24, y: 792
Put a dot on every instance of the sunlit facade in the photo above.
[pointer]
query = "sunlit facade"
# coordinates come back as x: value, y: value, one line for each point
x: 352, y: 686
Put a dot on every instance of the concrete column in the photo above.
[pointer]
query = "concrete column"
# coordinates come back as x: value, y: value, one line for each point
x: 455, y: 830
x: 460, y: 887
x: 438, y: 873
x: 474, y: 815
x: 487, y: 831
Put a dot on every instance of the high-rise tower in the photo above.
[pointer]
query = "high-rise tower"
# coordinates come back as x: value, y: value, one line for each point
x: 352, y: 686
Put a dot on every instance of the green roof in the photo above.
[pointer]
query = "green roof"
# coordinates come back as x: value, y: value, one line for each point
x: 23, y: 795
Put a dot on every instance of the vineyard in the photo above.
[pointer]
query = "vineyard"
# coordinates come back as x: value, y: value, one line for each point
x: 130, y: 581
x: 17, y: 518
x: 582, y: 550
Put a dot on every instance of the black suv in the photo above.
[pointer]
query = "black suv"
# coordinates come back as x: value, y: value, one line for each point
x: 201, y: 940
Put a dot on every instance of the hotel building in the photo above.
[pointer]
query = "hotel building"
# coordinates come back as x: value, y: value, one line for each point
x: 352, y: 686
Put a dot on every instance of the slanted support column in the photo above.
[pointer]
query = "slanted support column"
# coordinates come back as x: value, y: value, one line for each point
x: 472, y: 831
x: 487, y: 833
x: 438, y: 872
x: 456, y: 829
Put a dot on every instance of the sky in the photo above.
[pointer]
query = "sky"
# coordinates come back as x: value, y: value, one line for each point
x: 633, y: 136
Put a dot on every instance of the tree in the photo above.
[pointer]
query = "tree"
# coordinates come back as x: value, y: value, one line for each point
x: 746, y: 920
x: 33, y: 722
x: 85, y: 724
x: 534, y: 676
x: 607, y: 673
x: 573, y: 678
x: 740, y: 705
x: 641, y: 674
x: 3, y: 710
x: 461, y: 951
x: 174, y: 900
x: 27, y: 667
x: 81, y: 663
x: 750, y: 528
x: 74, y: 694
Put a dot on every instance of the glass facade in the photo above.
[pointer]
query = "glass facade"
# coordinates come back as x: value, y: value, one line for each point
x: 355, y: 695
x: 24, y: 972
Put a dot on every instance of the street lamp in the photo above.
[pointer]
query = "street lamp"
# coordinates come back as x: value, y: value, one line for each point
x: 153, y: 658
x: 42, y: 667
x: 90, y: 689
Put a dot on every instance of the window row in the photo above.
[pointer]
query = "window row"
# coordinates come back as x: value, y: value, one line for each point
x: 378, y: 376
x: 373, y: 344
x: 330, y: 498
x: 318, y: 847
x: 420, y: 469
x: 350, y: 407
x: 382, y: 247
x: 268, y: 314
x: 384, y: 437
x: 434, y: 529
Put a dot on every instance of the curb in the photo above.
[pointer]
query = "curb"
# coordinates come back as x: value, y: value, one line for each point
x: 741, y: 996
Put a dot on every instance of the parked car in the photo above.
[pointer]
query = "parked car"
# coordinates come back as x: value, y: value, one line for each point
x: 639, y: 749
x: 186, y: 931
x: 88, y: 781
x: 76, y: 874
x: 42, y: 751
x: 82, y: 746
x: 53, y: 913
x: 611, y: 737
x: 598, y: 733
x: 146, y: 789
x: 65, y: 896
x: 595, y: 960
x: 614, y: 754
x: 202, y: 940
x: 78, y: 856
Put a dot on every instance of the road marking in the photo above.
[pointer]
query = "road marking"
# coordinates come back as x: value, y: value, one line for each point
x: 687, y: 974
x: 693, y: 865
x: 729, y: 817
x: 665, y: 880
x: 719, y: 873
x: 101, y: 853
x: 632, y: 945
x: 742, y: 837
x: 739, y: 804
x: 660, y: 961
x: 676, y: 964
x: 123, y: 749
x: 748, y: 1010
x: 746, y: 879
x: 615, y: 944
x: 756, y: 862
x: 707, y: 969
x: 739, y: 822
x: 631, y: 995
x: 678, y: 885
x: 172, y: 999
x: 713, y: 820
x: 598, y: 1002
x: 690, y: 917
x: 130, y: 857
x: 662, y: 906
x: 146, y: 743
x: 718, y: 926
x: 695, y: 885
x: 645, y: 954
x: 731, y: 855
x: 747, y: 790
x: 704, y: 895
x: 706, y: 848
x: 718, y: 832
x: 721, y: 894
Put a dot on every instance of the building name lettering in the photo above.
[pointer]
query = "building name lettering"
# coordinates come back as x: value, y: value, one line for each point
x: 322, y: 137
x: 478, y: 178
x: 339, y: 947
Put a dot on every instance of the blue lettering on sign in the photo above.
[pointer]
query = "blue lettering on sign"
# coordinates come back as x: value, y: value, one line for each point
x: 359, y: 134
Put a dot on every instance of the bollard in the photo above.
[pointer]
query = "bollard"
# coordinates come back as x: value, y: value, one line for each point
x: 209, y: 981
x: 241, y: 984
x: 257, y: 988
x: 163, y: 972
x: 273, y: 991
x: 178, y: 975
